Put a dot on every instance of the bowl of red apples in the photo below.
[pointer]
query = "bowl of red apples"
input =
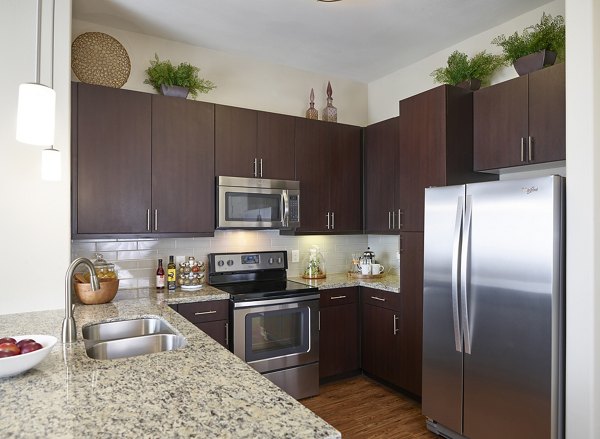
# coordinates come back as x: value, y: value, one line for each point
x: 21, y: 353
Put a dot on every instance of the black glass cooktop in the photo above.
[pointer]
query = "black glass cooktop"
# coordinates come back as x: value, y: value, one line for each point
x: 257, y: 290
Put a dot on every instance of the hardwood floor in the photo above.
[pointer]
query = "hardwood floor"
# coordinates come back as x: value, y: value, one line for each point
x: 361, y: 408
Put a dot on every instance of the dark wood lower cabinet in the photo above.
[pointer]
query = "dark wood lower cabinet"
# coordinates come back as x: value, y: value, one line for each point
x: 338, y: 335
x: 211, y: 316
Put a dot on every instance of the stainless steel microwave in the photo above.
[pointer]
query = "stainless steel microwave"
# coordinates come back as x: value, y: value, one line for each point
x: 257, y: 203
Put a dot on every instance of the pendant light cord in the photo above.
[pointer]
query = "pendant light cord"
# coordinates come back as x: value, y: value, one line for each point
x: 38, y: 37
x: 52, y: 52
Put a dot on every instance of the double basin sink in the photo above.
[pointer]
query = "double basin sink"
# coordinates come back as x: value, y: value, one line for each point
x: 130, y: 338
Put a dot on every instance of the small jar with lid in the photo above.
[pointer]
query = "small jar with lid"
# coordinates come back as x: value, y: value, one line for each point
x: 104, y: 270
x: 314, y: 264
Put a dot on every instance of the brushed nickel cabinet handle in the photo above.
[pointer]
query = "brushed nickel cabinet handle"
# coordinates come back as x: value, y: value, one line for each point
x: 319, y: 315
x: 522, y: 149
x: 395, y: 324
x: 255, y: 172
x: 204, y: 313
x: 377, y: 298
x: 393, y: 220
x: 337, y: 297
x: 530, y: 148
x: 332, y: 220
x: 227, y: 334
x: 400, y: 216
x: 156, y: 220
x: 389, y: 220
x: 261, y: 174
x: 148, y: 219
x: 327, y: 220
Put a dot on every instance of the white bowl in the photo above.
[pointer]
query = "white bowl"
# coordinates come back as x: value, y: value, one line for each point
x: 17, y: 364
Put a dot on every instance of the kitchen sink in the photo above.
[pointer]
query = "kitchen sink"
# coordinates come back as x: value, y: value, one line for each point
x: 105, y: 331
x: 134, y: 346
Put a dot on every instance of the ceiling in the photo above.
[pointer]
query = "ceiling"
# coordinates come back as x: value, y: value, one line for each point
x: 361, y: 40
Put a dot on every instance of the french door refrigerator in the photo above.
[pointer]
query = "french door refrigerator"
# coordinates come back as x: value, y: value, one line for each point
x: 493, y: 310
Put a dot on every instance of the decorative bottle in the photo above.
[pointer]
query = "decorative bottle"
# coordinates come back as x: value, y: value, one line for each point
x: 160, y: 276
x: 329, y: 112
x: 312, y: 112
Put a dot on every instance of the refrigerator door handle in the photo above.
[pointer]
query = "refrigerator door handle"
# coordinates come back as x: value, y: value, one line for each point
x: 460, y: 205
x: 464, y: 272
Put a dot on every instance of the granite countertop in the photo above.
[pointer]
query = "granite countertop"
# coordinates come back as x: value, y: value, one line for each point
x: 201, y: 390
x: 342, y: 280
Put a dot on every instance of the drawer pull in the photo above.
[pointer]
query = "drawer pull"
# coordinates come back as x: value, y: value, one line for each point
x: 395, y: 324
x: 204, y: 313
x: 377, y: 298
x: 337, y: 297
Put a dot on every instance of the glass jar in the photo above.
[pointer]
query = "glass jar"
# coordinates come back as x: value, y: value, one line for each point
x: 314, y: 264
x: 104, y: 270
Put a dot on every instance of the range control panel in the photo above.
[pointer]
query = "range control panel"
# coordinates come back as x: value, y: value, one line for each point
x: 248, y: 261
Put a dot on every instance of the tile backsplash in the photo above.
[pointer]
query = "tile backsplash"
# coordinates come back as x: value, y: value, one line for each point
x: 136, y: 259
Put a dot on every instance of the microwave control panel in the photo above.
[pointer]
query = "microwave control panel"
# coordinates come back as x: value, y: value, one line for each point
x: 294, y: 210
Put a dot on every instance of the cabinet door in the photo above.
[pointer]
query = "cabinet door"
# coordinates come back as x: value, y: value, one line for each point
x: 381, y: 150
x: 338, y: 336
x: 182, y: 165
x: 217, y: 330
x: 235, y: 141
x: 500, y: 121
x: 276, y: 146
x: 345, y: 180
x: 411, y: 311
x: 380, y: 342
x: 112, y: 164
x: 313, y: 148
x: 422, y: 159
x: 547, y: 114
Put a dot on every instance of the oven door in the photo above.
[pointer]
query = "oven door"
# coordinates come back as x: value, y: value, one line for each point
x: 271, y: 335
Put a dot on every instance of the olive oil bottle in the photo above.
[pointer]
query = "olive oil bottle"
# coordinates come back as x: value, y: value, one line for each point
x: 171, y: 275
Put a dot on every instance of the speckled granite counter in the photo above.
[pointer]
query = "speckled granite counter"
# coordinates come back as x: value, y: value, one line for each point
x: 201, y: 390
x: 341, y: 280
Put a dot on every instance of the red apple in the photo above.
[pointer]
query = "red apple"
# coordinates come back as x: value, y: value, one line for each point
x: 30, y: 347
x: 25, y: 341
x: 7, y: 340
x: 10, y: 347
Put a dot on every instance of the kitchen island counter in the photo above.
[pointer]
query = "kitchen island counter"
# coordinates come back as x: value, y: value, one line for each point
x: 201, y: 390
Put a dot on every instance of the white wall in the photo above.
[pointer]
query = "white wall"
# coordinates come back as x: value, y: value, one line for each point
x: 386, y: 92
x: 583, y: 219
x: 241, y: 81
x: 35, y: 216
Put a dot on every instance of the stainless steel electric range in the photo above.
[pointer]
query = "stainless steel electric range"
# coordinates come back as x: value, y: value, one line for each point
x: 274, y: 321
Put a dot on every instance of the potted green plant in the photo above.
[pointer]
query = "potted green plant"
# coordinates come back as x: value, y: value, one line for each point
x: 536, y: 47
x: 176, y: 81
x: 468, y: 73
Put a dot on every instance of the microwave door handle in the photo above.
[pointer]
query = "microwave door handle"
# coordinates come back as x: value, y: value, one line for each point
x: 285, y: 201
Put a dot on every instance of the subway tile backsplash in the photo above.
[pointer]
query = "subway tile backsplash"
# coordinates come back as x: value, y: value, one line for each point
x: 136, y: 259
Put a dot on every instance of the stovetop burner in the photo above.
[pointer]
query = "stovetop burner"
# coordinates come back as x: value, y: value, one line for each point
x: 254, y: 276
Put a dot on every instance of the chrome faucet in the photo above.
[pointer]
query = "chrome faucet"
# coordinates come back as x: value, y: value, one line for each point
x: 69, y: 334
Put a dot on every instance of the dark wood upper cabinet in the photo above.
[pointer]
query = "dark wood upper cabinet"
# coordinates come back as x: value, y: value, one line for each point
x: 436, y: 148
x: 250, y: 143
x: 328, y: 167
x: 275, y: 146
x: 182, y: 165
x: 382, y: 142
x: 235, y: 141
x: 143, y: 165
x: 112, y: 160
x: 521, y: 121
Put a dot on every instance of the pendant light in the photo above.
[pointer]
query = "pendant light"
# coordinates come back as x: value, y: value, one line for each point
x: 37, y: 103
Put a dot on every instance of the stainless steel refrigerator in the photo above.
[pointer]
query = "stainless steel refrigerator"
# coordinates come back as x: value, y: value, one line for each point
x: 493, y: 309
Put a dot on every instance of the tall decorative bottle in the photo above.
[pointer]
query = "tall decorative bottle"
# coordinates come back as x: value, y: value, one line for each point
x: 312, y: 112
x: 329, y: 112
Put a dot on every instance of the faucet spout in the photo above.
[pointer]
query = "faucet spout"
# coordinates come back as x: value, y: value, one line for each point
x: 69, y: 334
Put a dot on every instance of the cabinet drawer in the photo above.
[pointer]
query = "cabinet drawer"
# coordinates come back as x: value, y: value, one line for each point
x: 338, y: 296
x: 383, y: 299
x: 205, y: 311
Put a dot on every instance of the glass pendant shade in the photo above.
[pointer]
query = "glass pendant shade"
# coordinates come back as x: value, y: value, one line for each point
x: 35, y: 114
x: 51, y: 165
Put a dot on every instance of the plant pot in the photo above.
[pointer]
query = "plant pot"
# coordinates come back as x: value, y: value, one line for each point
x: 174, y: 90
x: 470, y: 84
x: 534, y: 61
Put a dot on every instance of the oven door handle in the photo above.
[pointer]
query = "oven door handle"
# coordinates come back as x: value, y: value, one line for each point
x: 285, y: 208
x: 268, y: 302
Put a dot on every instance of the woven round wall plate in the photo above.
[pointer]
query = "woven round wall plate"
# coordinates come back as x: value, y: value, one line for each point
x: 97, y: 58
